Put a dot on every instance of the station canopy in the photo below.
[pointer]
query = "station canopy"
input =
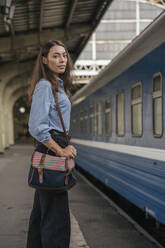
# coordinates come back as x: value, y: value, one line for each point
x: 27, y: 24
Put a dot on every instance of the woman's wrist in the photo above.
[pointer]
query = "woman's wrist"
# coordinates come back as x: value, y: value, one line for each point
x: 60, y: 152
x: 53, y: 146
x: 57, y: 149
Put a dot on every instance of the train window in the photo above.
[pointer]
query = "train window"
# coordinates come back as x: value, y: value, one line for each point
x: 86, y: 122
x: 99, y: 118
x: 157, y: 105
x: 108, y: 117
x: 136, y: 109
x: 120, y: 114
x: 81, y: 122
x: 92, y: 120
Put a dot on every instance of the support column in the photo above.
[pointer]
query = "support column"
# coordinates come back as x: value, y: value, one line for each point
x: 137, y: 17
x: 2, y: 138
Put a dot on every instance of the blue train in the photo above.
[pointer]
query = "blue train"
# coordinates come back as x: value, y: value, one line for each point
x: 118, y: 122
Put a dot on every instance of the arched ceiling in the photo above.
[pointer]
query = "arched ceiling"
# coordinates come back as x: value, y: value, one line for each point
x: 35, y: 22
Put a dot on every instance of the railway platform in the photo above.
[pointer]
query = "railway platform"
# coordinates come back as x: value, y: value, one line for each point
x: 95, y: 223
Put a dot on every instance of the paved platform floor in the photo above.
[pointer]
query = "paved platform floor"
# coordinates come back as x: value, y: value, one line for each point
x: 16, y: 200
x: 95, y: 224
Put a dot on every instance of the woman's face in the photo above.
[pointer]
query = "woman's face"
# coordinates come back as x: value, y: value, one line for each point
x: 57, y: 59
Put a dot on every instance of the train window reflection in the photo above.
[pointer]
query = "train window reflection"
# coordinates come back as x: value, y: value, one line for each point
x: 81, y: 122
x: 108, y: 117
x: 92, y: 120
x: 120, y: 114
x: 99, y: 118
x: 78, y: 124
x: 136, y: 109
x: 86, y: 122
x: 157, y: 105
x: 73, y: 122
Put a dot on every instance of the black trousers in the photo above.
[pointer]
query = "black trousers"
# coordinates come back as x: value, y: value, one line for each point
x: 49, y: 224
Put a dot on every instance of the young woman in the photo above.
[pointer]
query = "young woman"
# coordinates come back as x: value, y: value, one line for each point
x: 49, y: 225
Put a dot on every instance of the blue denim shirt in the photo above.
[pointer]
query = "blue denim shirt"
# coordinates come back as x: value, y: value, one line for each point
x: 44, y: 115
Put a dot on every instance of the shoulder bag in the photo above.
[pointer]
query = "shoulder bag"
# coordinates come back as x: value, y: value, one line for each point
x: 52, y: 173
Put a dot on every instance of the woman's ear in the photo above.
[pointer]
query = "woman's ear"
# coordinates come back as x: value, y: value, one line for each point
x: 44, y: 60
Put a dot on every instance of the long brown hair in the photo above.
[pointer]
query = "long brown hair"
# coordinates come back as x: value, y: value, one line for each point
x: 42, y: 71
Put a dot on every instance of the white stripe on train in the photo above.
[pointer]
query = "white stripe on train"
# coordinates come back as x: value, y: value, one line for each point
x: 146, y: 152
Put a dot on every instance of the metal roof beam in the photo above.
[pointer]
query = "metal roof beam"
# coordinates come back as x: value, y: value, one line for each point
x: 71, y: 12
x: 41, y: 14
x: 40, y: 21
x: 156, y: 3
x: 96, y: 18
x: 28, y: 43
x: 27, y: 15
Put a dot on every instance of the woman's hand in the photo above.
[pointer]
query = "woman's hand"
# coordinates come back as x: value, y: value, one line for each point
x: 68, y: 151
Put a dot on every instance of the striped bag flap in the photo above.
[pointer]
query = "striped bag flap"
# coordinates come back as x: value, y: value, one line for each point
x: 49, y: 162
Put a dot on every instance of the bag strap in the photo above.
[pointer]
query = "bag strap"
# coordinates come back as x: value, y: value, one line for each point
x: 61, y: 118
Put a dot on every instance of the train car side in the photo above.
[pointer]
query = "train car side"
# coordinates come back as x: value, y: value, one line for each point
x: 133, y: 165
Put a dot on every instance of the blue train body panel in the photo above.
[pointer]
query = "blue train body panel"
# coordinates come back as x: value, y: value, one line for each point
x: 139, y: 179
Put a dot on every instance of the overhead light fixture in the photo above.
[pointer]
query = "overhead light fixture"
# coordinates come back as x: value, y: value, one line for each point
x: 22, y: 110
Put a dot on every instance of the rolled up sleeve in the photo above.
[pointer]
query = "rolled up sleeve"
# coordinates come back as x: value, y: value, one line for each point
x: 39, y: 113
